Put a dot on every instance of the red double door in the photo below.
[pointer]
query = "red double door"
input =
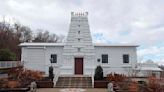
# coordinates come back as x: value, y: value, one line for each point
x: 78, y: 65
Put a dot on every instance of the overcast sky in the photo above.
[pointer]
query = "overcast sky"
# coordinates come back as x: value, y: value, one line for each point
x: 111, y: 21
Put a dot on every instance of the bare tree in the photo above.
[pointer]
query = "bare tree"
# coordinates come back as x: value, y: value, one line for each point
x: 45, y: 36
x: 8, y: 39
x: 11, y: 35
x: 24, y: 33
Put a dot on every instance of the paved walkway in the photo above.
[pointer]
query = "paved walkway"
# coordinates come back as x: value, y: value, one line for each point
x: 71, y: 90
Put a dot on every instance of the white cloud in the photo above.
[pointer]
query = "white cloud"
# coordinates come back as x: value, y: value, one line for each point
x: 155, y: 53
x: 120, y: 21
x: 151, y: 50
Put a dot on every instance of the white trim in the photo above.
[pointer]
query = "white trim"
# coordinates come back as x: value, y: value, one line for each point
x: 36, y: 47
x: 62, y: 44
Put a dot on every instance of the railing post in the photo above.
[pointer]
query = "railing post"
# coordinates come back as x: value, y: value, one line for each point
x: 92, y: 80
x: 57, y: 73
x: 0, y: 65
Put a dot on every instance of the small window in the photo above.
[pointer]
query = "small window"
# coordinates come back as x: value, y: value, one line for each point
x: 78, y: 32
x: 78, y: 49
x: 98, y: 60
x: 125, y: 58
x: 53, y: 58
x: 104, y: 58
x: 78, y: 39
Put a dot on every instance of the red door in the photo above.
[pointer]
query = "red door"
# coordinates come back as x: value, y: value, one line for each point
x: 78, y: 65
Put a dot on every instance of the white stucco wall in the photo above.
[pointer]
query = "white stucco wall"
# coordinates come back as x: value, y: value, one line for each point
x: 38, y: 57
x: 115, y: 58
x: 33, y: 58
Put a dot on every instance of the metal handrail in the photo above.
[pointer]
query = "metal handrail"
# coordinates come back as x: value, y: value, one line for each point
x: 9, y: 64
x: 57, y: 73
x: 92, y: 80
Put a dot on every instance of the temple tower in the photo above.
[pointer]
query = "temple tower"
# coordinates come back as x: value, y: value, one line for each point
x: 78, y: 54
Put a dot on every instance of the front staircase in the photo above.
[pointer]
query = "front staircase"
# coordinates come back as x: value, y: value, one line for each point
x: 74, y: 82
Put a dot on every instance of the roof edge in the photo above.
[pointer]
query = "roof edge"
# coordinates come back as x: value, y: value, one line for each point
x: 62, y: 44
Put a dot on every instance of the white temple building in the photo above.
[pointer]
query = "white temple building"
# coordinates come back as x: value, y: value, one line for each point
x: 79, y: 55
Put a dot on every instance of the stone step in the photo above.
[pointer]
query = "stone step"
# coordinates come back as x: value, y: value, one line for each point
x: 74, y: 82
x: 66, y: 83
x: 60, y: 84
x: 75, y: 75
x: 73, y: 87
